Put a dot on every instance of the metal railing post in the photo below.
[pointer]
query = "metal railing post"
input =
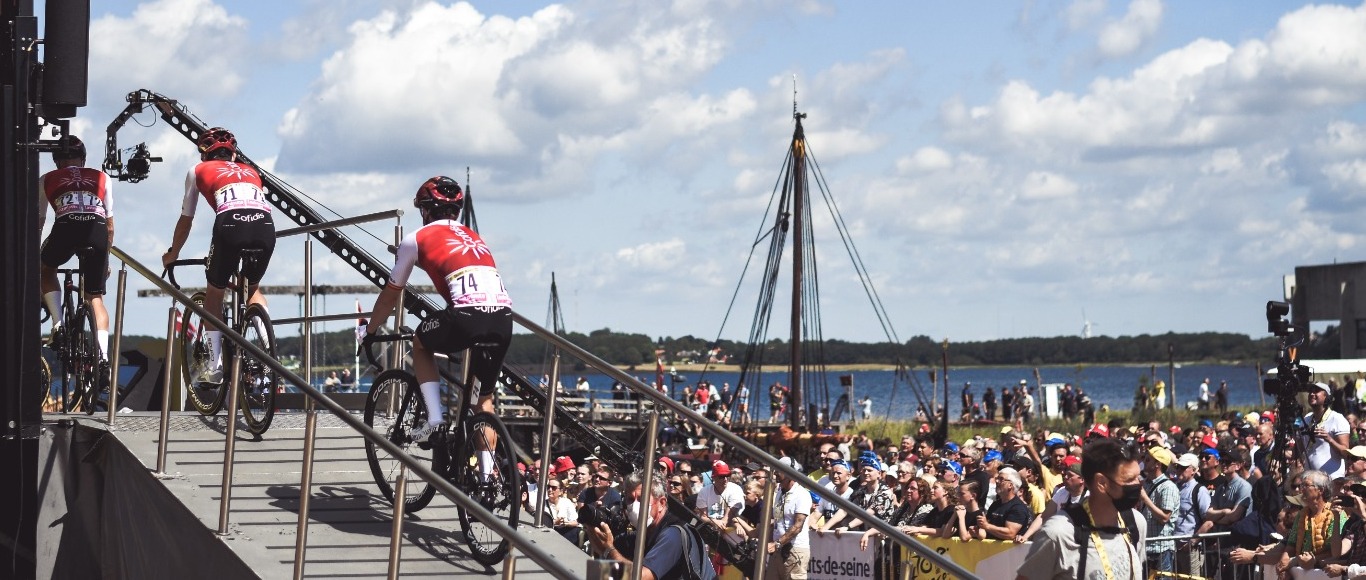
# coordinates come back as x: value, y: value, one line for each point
x: 510, y: 565
x: 765, y: 527
x: 169, y: 369
x: 549, y: 428
x: 646, y: 489
x: 310, y: 421
x: 396, y: 532
x: 230, y: 446
x: 397, y: 347
x: 116, y: 345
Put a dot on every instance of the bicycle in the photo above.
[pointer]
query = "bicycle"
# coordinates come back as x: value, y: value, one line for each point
x: 395, y: 408
x: 84, y: 371
x: 256, y: 382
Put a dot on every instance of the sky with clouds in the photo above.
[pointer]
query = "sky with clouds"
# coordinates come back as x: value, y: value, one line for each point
x: 1006, y: 169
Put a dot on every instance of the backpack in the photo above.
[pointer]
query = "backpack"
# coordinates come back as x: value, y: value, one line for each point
x: 692, y: 569
x: 1081, y: 523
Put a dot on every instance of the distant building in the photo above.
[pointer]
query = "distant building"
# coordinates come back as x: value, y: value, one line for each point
x: 1331, y: 292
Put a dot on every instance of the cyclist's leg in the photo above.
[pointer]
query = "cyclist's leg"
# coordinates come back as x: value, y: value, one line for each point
x: 494, y: 332
x: 56, y: 250
x: 428, y: 381
x: 94, y: 267
x: 260, y: 235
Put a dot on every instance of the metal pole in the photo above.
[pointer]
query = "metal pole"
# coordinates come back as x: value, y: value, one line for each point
x: 396, y: 532
x: 510, y: 565
x: 599, y: 570
x: 117, y: 344
x: 765, y: 528
x: 230, y: 445
x: 169, y: 369
x: 544, y: 477
x: 310, y: 422
x: 398, y: 306
x: 646, y: 488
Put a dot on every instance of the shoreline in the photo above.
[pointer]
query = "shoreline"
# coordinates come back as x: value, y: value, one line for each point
x: 735, y: 368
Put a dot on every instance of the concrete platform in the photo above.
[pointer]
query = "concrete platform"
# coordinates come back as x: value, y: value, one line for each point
x: 349, y: 522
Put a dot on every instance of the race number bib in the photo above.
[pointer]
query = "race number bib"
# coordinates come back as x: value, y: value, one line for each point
x: 240, y: 196
x: 477, y: 286
x: 74, y: 202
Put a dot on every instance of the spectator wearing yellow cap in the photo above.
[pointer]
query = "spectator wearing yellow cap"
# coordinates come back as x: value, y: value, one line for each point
x: 1161, y: 498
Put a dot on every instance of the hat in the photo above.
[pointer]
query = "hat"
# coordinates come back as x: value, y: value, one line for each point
x: 991, y: 456
x: 788, y: 461
x: 1268, y: 416
x: 1252, y: 418
x: 1187, y: 460
x: 1212, y: 453
x: 870, y: 459
x: 1055, y: 441
x: 1162, y: 455
x: 892, y: 470
x: 951, y: 447
x: 1359, y: 451
x: 1207, y: 423
x: 1072, y: 463
x: 1324, y: 387
x: 1024, y: 462
x: 841, y: 463
x: 1209, y: 441
x: 1024, y: 382
x: 667, y: 463
x: 1100, y: 429
x: 1176, y: 429
x: 1006, y: 429
x: 754, y: 466
x: 955, y: 466
x: 720, y: 468
x: 562, y: 464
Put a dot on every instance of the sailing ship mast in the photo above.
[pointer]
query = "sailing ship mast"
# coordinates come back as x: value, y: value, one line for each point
x: 798, y: 253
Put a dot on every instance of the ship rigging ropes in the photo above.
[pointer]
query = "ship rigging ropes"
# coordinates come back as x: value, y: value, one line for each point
x: 800, y: 169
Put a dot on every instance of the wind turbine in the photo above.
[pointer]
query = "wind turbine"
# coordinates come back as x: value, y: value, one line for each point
x: 1085, y: 325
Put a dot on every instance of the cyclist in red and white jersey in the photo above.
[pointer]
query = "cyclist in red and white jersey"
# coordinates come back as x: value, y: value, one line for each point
x: 242, y: 221
x: 478, y: 309
x: 82, y: 199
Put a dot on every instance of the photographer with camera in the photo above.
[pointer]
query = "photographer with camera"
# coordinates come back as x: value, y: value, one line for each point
x: 1329, y: 439
x: 673, y: 551
x: 600, y: 502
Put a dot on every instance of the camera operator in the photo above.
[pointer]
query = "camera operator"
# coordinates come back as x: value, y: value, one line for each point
x: 1330, y: 430
x: 672, y: 550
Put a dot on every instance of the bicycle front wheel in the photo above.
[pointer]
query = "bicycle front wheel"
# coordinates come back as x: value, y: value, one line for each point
x: 486, y: 470
x: 395, y: 409
x: 207, y: 398
x: 257, y: 381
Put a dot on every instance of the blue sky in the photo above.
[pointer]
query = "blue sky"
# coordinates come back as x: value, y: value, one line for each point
x: 1004, y: 167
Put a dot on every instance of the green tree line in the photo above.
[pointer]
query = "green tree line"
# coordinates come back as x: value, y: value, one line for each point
x: 625, y: 349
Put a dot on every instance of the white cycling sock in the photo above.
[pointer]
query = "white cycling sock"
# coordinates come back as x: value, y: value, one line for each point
x: 431, y: 393
x: 486, y: 463
x: 53, y: 300
x: 215, y: 347
x: 103, y: 337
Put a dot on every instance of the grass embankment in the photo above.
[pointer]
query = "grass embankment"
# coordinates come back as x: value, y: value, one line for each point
x: 892, y: 429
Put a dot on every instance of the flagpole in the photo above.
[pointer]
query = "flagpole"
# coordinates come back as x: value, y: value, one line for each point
x: 360, y: 329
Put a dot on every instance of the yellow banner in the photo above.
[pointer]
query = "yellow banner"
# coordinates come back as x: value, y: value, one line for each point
x: 985, y: 558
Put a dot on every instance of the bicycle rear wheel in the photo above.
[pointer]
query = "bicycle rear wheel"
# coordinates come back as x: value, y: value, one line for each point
x: 207, y: 398
x: 395, y: 409
x: 257, y: 380
x: 496, y: 486
x: 85, y: 356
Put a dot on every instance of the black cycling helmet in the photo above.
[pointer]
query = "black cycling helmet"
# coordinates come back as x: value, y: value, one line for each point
x: 439, y: 191
x: 69, y: 147
x: 215, y: 140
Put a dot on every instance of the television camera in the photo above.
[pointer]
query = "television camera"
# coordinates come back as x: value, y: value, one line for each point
x: 1292, y: 378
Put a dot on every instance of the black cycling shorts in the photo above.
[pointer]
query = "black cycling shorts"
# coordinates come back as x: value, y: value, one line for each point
x: 455, y: 329
x: 233, y: 232
x: 87, y: 239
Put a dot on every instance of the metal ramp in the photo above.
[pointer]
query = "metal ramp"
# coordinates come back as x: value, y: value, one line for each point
x: 350, y: 523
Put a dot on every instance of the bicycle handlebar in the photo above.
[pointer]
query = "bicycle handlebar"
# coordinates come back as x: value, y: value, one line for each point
x: 368, y: 344
x: 169, y: 272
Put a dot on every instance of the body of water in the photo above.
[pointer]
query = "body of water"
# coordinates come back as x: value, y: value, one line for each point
x: 1106, y: 385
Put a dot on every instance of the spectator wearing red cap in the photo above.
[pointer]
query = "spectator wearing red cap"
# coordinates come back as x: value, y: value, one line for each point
x: 1070, y: 493
x: 667, y: 465
x: 1098, y: 430
x: 721, y: 501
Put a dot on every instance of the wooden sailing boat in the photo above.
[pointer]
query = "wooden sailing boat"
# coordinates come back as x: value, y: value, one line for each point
x: 808, y: 391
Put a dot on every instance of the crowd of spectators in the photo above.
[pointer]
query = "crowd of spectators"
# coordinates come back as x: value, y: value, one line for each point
x: 1216, y: 494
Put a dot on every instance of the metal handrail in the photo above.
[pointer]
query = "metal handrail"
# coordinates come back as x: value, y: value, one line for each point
x: 360, y: 219
x: 541, y: 557
x: 890, y: 531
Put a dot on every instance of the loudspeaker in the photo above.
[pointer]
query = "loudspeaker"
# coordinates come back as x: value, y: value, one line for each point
x: 66, y: 56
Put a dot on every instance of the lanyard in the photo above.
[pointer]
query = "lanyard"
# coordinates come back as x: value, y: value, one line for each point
x: 1100, y: 548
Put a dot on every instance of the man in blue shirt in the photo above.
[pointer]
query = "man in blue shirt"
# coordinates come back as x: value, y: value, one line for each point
x: 1195, y: 502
